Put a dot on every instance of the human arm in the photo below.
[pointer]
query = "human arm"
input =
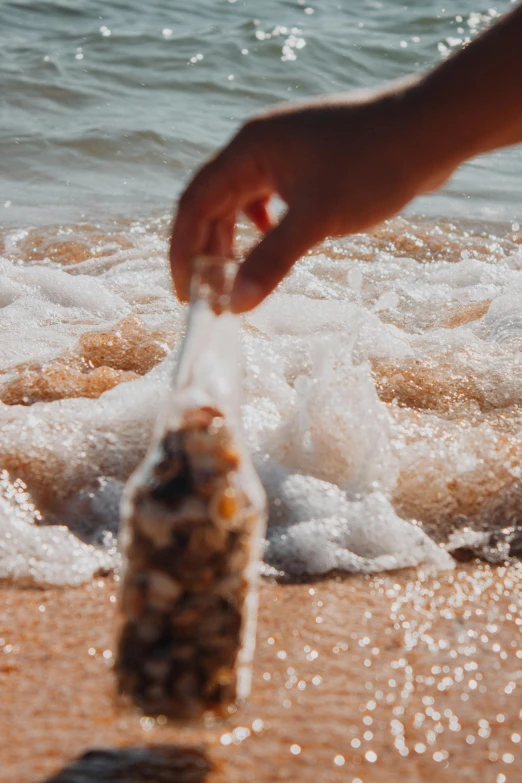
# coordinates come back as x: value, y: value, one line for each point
x: 346, y: 162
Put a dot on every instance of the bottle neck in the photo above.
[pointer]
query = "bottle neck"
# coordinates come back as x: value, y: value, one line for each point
x: 212, y: 281
x: 208, y: 365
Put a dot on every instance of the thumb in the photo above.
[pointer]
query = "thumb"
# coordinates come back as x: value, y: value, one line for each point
x: 274, y: 256
x: 258, y: 212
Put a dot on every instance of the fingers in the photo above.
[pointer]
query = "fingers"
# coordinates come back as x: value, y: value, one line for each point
x: 220, y: 238
x: 259, y: 214
x: 188, y: 234
x: 207, y: 209
x: 274, y: 256
x: 195, y: 230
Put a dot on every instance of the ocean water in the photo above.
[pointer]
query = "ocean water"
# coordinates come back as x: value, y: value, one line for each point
x: 383, y: 380
x: 106, y: 107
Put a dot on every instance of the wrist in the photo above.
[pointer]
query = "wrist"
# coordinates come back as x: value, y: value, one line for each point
x: 428, y: 152
x: 442, y: 138
x: 470, y: 103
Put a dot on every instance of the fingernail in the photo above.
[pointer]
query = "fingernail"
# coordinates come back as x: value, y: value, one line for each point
x: 245, y: 295
x: 182, y: 293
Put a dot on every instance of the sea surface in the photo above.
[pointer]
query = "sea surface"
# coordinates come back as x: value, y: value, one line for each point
x: 107, y: 107
x: 383, y: 380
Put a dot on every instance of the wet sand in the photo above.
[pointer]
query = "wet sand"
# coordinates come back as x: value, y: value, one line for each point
x: 398, y: 677
x: 405, y: 676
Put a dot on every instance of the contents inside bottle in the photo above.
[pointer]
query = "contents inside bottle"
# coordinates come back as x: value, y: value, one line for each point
x: 189, y: 538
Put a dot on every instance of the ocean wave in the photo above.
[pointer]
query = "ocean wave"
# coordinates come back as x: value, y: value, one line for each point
x: 381, y: 397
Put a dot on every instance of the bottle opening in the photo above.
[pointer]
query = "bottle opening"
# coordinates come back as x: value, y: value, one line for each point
x: 212, y: 281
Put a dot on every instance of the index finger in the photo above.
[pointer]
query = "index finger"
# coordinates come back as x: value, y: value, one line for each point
x: 219, y: 190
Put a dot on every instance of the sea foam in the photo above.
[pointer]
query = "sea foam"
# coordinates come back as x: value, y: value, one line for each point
x: 380, y: 403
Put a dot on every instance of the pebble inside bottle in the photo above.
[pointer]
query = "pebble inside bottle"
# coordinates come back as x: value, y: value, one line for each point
x: 193, y: 523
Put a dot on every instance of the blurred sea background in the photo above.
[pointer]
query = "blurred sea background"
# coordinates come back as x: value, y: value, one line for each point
x: 107, y: 107
x: 382, y: 396
x: 382, y: 390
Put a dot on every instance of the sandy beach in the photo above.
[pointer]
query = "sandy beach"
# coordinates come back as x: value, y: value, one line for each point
x: 382, y: 398
x: 406, y: 676
x: 387, y: 678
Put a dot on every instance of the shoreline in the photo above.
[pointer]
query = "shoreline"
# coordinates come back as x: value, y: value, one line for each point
x: 353, y: 677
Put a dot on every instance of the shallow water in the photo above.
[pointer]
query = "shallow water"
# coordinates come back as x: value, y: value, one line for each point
x: 381, y: 395
x: 382, y: 379
x: 382, y: 399
x: 107, y: 106
x: 352, y: 678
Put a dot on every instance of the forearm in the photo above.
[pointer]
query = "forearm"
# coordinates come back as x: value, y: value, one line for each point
x: 472, y: 102
x: 347, y: 162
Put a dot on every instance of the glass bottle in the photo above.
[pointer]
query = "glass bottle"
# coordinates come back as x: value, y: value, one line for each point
x: 193, y: 523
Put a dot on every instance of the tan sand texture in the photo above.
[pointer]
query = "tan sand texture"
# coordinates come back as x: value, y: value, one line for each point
x: 404, y: 677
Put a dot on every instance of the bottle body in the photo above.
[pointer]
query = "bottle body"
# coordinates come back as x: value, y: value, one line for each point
x: 193, y: 523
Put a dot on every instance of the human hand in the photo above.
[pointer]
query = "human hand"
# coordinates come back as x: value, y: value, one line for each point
x: 342, y: 164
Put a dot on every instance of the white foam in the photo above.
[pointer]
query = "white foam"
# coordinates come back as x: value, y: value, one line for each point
x: 32, y: 555
x: 311, y: 411
x: 314, y: 528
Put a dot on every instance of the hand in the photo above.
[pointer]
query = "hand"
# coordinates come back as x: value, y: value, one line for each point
x: 341, y: 164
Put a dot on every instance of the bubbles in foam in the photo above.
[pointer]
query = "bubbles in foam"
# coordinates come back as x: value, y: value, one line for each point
x: 502, y: 324
x: 377, y: 391
x: 368, y: 538
x: 314, y: 528
x: 31, y: 555
x: 42, y: 556
x: 337, y: 425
